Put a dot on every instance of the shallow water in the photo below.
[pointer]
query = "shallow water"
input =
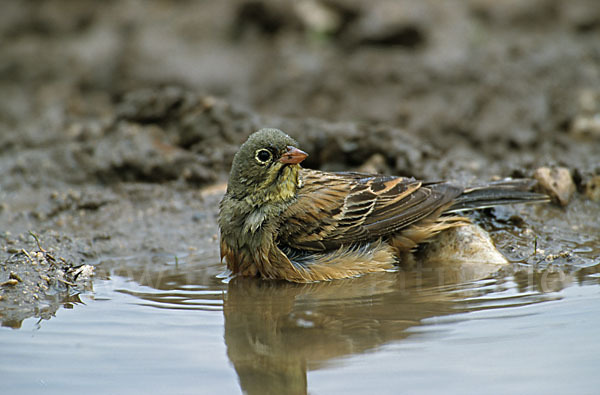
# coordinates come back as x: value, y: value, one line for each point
x: 156, y: 324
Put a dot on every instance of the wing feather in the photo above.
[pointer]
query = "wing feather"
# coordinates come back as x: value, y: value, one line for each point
x: 335, y: 209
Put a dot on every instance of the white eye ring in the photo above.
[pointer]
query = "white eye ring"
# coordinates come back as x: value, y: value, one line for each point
x: 263, y: 156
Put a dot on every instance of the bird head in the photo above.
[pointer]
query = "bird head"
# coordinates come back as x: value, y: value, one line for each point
x: 266, y: 167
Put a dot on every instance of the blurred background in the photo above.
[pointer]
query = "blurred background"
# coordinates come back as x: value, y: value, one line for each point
x: 481, y: 87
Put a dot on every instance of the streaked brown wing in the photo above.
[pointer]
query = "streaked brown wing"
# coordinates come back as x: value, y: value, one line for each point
x: 341, y: 208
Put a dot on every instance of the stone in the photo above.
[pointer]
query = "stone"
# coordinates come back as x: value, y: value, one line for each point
x: 556, y: 182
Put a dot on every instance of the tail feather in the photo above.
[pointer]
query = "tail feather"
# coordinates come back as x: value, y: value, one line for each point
x: 497, y: 193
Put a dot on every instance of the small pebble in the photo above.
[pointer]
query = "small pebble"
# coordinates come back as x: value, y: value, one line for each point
x: 556, y: 182
x: 11, y: 282
x: 15, y: 276
x: 592, y: 189
x: 317, y: 16
x: 374, y: 165
x: 586, y: 125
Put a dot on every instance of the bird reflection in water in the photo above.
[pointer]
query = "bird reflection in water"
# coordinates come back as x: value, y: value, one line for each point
x: 278, y: 331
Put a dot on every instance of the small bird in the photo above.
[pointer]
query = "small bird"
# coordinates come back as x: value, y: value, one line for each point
x: 280, y: 221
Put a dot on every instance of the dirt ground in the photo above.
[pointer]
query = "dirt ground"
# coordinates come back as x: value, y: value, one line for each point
x: 119, y: 120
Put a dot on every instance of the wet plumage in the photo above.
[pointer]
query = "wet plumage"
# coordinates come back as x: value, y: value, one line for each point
x: 280, y: 221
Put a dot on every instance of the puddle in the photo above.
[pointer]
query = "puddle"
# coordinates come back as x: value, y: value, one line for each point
x: 156, y: 324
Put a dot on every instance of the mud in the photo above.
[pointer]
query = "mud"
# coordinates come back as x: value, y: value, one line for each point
x: 118, y: 122
x: 37, y: 282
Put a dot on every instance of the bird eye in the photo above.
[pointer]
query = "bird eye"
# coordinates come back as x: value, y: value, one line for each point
x: 263, y: 156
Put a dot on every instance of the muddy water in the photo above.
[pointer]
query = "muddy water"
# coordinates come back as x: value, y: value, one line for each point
x: 156, y: 324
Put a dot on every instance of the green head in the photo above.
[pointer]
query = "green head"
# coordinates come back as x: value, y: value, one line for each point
x: 266, y: 167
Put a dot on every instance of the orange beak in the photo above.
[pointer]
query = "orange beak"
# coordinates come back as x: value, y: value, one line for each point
x: 293, y: 156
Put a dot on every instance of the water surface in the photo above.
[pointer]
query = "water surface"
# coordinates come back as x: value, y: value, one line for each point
x: 155, y: 324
